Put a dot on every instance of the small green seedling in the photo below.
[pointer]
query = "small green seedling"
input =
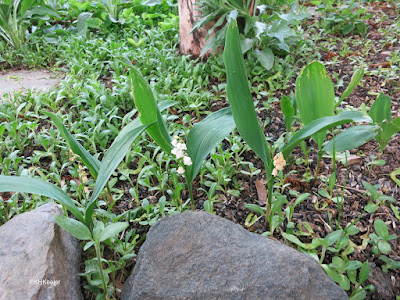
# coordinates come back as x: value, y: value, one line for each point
x: 380, y: 238
x: 376, y: 197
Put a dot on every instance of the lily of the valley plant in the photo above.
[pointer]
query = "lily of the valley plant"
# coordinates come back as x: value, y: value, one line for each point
x: 245, y: 117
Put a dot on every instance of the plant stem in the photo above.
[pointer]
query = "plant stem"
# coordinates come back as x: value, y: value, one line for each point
x: 108, y: 194
x: 191, y: 195
x: 97, y: 247
x: 320, y: 153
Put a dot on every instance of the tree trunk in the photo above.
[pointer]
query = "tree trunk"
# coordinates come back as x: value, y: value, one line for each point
x: 191, y: 44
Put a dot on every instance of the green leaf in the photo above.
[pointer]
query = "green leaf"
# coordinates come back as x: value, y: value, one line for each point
x: 255, y: 208
x: 43, y: 10
x: 74, y: 227
x: 342, y: 242
x: 92, y: 163
x: 371, y: 208
x: 205, y: 136
x: 353, y: 265
x: 332, y: 237
x: 384, y: 247
x: 246, y: 44
x: 81, y: 23
x: 39, y: 187
x: 163, y: 105
x: 386, y: 133
x: 381, y: 228
x: 380, y: 110
x: 112, y: 159
x: 364, y: 273
x: 208, y: 206
x: 347, y: 28
x: 288, y: 111
x: 240, y: 98
x: 294, y: 239
x: 265, y: 57
x: 94, y: 23
x: 332, y: 273
x: 355, y: 80
x: 301, y: 198
x: 344, y: 282
x: 149, y: 112
x: 315, y: 96
x: 360, y: 295
x: 351, y: 138
x: 338, y: 263
x: 352, y: 230
x: 112, y: 230
x: 321, y: 124
x: 361, y: 28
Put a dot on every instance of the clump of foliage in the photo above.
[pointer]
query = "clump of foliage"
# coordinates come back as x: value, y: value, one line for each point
x: 264, y: 32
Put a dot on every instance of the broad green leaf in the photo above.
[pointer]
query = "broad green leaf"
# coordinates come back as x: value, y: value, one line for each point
x: 342, y: 242
x: 246, y: 44
x: 43, y: 10
x: 344, y: 282
x: 338, y: 263
x: 371, y: 208
x: 39, y: 187
x: 381, y: 228
x: 240, y: 98
x: 288, y: 111
x: 112, y: 230
x: 361, y: 28
x: 321, y: 124
x: 81, y: 23
x: 315, y: 96
x: 380, y: 110
x: 332, y: 273
x: 355, y: 80
x: 360, y: 295
x: 384, y: 247
x: 265, y: 57
x: 353, y: 265
x: 205, y: 136
x: 332, y: 237
x: 24, y: 5
x: 352, y: 230
x: 351, y: 138
x: 364, y: 273
x: 112, y: 159
x: 92, y: 163
x: 387, y: 131
x: 347, y: 28
x: 149, y: 112
x: 74, y: 227
x: 94, y: 23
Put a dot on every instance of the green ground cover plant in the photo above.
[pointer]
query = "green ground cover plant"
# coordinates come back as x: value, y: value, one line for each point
x: 305, y: 151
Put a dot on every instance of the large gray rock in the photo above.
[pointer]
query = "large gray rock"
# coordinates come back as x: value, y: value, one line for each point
x: 38, y: 259
x: 197, y: 255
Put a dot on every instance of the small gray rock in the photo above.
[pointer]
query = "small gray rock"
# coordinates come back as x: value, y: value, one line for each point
x: 197, y: 255
x: 38, y: 259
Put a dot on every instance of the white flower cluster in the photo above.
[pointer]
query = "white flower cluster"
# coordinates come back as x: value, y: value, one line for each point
x: 179, y: 152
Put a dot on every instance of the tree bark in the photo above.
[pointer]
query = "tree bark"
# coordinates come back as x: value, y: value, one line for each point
x: 191, y: 44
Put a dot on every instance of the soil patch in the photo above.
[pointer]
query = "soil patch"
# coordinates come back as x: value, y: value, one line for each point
x: 22, y: 80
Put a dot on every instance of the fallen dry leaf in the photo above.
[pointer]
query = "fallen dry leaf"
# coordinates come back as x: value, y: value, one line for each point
x: 261, y: 191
